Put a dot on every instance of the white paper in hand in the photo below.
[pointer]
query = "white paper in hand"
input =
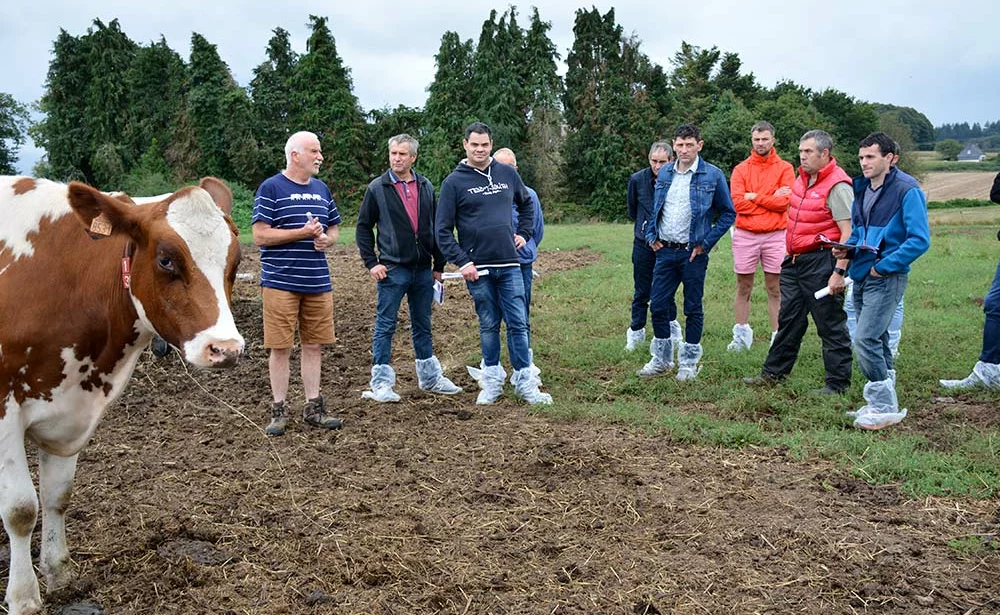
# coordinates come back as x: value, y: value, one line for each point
x: 438, y: 292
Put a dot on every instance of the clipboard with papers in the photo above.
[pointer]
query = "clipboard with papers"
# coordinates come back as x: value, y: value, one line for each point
x: 846, y: 246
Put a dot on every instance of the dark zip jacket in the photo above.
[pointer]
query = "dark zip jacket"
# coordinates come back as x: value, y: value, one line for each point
x: 382, y: 209
x: 478, y: 204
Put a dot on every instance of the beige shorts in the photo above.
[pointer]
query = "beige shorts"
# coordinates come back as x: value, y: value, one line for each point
x: 283, y: 310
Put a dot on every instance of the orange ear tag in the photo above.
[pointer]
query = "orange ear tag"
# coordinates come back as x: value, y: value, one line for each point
x: 101, y: 225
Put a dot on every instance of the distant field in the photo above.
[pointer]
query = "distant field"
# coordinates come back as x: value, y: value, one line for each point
x: 965, y: 217
x: 941, y: 186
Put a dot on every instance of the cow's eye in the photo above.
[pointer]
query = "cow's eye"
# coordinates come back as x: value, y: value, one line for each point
x: 166, y: 263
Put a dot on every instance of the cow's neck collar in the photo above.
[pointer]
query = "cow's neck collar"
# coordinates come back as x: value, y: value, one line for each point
x: 127, y: 265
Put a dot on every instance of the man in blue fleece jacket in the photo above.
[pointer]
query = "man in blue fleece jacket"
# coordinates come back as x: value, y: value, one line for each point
x: 889, y: 214
x: 476, y: 199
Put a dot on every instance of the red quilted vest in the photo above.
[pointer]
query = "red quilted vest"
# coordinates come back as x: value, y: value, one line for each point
x: 808, y: 215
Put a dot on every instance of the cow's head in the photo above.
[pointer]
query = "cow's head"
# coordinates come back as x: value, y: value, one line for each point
x: 184, y: 255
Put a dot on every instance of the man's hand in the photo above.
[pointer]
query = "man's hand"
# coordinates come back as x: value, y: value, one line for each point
x: 695, y: 251
x: 875, y: 274
x: 519, y: 242
x: 378, y: 272
x: 750, y: 196
x: 783, y: 191
x: 469, y: 272
x: 656, y: 245
x: 321, y: 242
x: 839, y: 253
x: 312, y: 228
x: 437, y: 275
x: 836, y: 283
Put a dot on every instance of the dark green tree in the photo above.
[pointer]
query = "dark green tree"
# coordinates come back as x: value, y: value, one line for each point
x: 156, y: 82
x: 695, y: 89
x: 851, y: 122
x: 611, y: 111
x: 449, y: 108
x: 539, y: 159
x: 920, y: 128
x: 110, y: 54
x: 270, y: 90
x: 323, y: 102
x: 727, y: 133
x: 13, y: 131
x: 386, y: 123
x: 64, y: 131
x: 211, y: 85
x: 949, y: 149
x: 729, y: 77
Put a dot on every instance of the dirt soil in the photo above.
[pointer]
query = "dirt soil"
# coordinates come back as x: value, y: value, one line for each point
x: 945, y: 186
x: 434, y: 505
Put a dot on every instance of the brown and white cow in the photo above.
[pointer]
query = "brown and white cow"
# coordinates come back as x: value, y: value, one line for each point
x: 75, y: 315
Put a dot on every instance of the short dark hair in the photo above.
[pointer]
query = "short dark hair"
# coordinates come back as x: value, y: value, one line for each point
x: 687, y: 131
x: 478, y: 128
x: 762, y: 126
x: 885, y: 143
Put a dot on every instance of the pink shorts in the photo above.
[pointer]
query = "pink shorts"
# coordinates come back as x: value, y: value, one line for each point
x: 749, y: 249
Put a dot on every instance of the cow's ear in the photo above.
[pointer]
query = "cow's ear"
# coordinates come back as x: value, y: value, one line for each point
x: 219, y: 192
x: 101, y: 214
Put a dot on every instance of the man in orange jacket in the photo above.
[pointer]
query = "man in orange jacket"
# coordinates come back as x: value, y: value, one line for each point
x: 761, y: 187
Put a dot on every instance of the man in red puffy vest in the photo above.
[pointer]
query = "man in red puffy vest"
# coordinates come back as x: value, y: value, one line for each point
x: 820, y: 205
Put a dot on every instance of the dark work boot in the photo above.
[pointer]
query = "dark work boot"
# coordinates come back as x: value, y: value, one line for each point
x: 314, y: 413
x: 279, y: 420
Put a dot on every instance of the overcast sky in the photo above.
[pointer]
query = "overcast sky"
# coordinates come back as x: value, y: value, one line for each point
x: 941, y: 58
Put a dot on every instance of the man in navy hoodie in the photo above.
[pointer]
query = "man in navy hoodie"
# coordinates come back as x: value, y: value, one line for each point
x: 476, y: 199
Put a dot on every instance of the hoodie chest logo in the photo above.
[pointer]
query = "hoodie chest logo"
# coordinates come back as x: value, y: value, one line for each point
x: 492, y: 188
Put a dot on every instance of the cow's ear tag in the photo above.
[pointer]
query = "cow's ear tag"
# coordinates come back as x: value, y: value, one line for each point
x: 101, y: 226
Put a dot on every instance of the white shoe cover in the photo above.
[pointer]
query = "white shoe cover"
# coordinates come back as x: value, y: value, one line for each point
x: 634, y: 338
x: 983, y: 374
x: 383, y: 379
x: 431, y: 379
x: 491, y: 385
x: 688, y: 357
x: 661, y: 358
x: 882, y: 409
x: 526, y: 387
x: 742, y: 338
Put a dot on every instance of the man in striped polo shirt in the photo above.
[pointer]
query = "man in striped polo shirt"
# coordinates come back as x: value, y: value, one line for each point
x: 294, y: 221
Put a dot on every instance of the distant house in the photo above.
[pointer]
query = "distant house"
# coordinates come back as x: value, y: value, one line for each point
x: 971, y: 153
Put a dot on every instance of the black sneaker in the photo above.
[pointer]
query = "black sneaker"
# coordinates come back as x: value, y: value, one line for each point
x: 762, y: 379
x: 314, y: 413
x: 279, y: 420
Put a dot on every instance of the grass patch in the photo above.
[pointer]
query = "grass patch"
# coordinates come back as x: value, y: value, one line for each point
x: 579, y: 325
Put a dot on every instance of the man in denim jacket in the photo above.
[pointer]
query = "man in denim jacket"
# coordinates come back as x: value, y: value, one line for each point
x: 692, y: 209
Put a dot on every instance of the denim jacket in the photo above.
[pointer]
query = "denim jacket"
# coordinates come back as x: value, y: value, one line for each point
x: 712, y: 211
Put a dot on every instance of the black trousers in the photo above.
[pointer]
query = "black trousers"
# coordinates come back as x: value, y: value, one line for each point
x: 801, y: 276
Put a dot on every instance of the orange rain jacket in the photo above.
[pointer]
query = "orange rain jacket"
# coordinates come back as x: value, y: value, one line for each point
x: 762, y: 175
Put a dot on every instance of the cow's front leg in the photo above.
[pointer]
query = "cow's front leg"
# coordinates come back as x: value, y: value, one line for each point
x: 19, y: 508
x: 55, y: 482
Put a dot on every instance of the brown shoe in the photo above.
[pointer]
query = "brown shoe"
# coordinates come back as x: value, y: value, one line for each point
x: 314, y: 413
x: 279, y: 420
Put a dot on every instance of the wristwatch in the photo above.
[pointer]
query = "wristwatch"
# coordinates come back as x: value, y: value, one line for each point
x: 840, y: 271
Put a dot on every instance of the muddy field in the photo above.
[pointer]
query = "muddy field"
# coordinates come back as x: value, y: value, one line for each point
x: 434, y: 505
x: 944, y: 186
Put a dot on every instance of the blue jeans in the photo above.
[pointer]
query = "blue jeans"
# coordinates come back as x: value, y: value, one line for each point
x: 500, y: 296
x: 674, y: 268
x: 418, y: 287
x: 526, y: 273
x: 895, y: 326
x: 876, y: 300
x: 991, y: 328
x: 643, y: 263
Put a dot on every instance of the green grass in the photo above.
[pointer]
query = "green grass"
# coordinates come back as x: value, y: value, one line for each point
x: 581, y: 315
